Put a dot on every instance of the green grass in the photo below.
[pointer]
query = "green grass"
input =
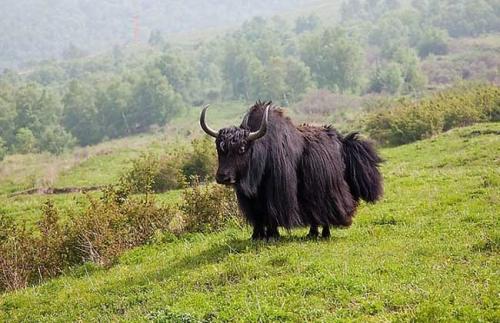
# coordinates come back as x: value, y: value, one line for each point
x: 429, y: 251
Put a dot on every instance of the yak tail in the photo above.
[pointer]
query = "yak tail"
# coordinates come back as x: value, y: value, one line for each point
x: 362, y: 173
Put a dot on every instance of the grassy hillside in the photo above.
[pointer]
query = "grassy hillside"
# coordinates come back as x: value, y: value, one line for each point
x: 428, y: 251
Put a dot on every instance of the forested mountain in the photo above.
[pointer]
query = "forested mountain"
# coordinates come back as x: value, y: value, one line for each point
x: 34, y: 30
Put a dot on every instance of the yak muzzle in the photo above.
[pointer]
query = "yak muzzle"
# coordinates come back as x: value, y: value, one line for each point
x: 224, y: 179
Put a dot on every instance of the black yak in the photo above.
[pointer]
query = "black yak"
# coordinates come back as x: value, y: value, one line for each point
x: 288, y: 176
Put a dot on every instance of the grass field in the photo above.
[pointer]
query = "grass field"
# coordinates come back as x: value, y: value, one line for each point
x: 428, y: 252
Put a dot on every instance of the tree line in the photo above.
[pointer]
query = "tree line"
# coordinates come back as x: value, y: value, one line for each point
x: 377, y: 48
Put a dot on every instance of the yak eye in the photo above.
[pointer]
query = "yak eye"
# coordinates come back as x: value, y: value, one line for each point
x: 242, y: 149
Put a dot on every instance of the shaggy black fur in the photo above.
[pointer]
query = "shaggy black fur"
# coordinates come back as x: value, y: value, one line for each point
x: 296, y: 175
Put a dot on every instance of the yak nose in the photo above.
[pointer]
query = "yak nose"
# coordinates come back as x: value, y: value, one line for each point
x: 222, y: 178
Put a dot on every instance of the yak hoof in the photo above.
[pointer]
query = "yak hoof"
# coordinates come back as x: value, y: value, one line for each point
x: 258, y: 234
x: 313, y: 233
x: 273, y: 234
x: 258, y: 237
x: 325, y: 234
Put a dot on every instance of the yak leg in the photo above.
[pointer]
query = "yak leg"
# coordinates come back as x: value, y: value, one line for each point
x: 313, y: 231
x: 326, y: 232
x: 258, y: 232
x: 272, y: 233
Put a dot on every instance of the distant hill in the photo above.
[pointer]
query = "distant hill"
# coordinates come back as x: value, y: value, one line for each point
x: 39, y: 30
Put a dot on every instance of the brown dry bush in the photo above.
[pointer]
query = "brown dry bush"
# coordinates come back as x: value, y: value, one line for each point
x: 110, y: 225
x: 116, y: 223
x: 29, y: 256
x: 17, y: 263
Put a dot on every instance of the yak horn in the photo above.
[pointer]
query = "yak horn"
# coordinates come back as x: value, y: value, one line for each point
x: 263, y: 127
x: 204, y: 126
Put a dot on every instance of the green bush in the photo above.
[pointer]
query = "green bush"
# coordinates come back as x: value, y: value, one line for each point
x: 409, y: 121
x: 152, y: 173
x: 201, y: 161
x: 209, y: 207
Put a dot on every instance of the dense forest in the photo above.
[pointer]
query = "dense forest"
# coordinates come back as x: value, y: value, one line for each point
x: 379, y: 47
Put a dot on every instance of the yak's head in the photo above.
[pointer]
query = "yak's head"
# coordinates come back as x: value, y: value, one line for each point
x: 234, y: 147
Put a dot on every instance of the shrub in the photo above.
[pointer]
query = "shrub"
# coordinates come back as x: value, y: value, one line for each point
x: 29, y: 257
x: 152, y: 173
x: 17, y: 263
x: 116, y: 223
x: 201, y: 161
x: 409, y: 121
x: 209, y: 207
x: 107, y: 228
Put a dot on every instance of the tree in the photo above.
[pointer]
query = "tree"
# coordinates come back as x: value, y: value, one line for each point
x: 180, y: 74
x: 56, y: 140
x: 389, y: 35
x: 113, y: 103
x: 297, y: 79
x: 309, y: 23
x: 36, y: 108
x: 80, y: 114
x: 25, y: 141
x: 335, y: 60
x: 3, y: 149
x: 240, y: 67
x: 414, y: 79
x: 156, y: 39
x: 433, y: 41
x: 7, y: 121
x: 154, y: 101
x: 388, y: 78
x: 73, y: 52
